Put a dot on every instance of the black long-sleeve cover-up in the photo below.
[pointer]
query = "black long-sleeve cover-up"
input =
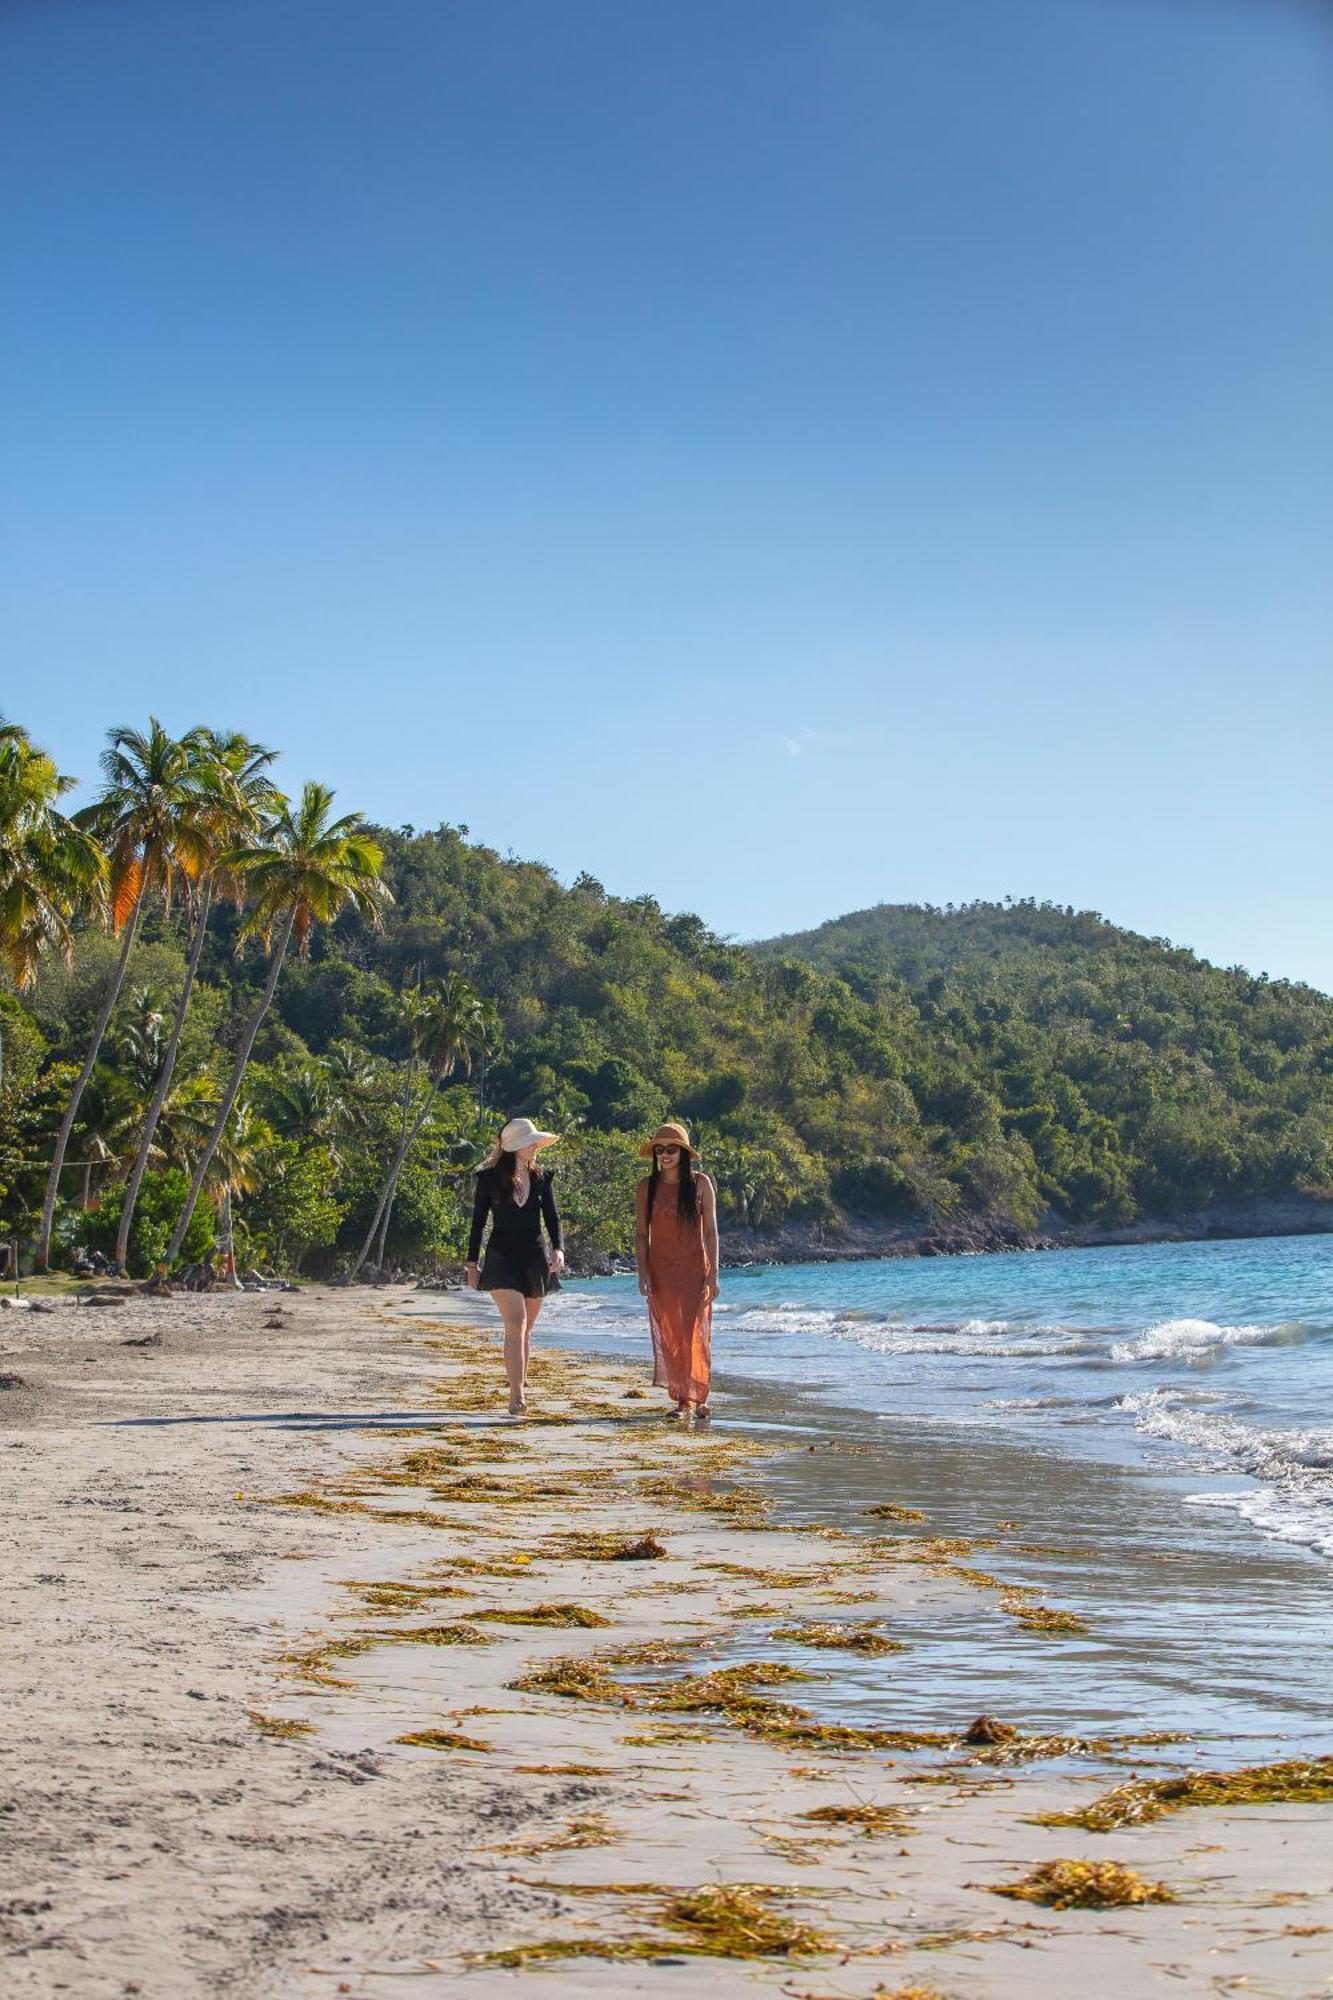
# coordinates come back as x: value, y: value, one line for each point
x: 515, y: 1260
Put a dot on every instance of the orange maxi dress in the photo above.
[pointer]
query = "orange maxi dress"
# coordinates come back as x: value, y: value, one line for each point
x: 679, y: 1314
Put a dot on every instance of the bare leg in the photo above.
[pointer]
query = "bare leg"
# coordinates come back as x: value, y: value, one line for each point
x: 531, y: 1308
x: 511, y: 1305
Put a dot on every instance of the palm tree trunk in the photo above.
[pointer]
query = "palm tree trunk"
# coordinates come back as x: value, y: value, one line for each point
x: 219, y: 1125
x: 163, y: 1084
x: 399, y: 1151
x: 229, y: 1276
x: 43, y: 1255
x: 390, y: 1188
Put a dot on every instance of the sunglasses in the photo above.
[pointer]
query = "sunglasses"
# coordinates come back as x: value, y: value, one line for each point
x: 661, y: 1150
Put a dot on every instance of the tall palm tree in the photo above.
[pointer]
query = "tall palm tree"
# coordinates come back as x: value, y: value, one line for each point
x: 305, y: 870
x: 138, y: 818
x: 231, y: 791
x: 450, y: 1026
x: 234, y: 1170
x: 49, y: 868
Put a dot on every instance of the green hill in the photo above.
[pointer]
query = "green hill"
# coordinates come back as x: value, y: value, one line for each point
x: 971, y: 1075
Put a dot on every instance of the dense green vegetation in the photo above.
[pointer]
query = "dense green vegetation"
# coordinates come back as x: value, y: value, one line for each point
x: 329, y: 1101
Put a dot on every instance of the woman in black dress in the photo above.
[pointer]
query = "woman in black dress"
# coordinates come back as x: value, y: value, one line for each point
x: 518, y: 1270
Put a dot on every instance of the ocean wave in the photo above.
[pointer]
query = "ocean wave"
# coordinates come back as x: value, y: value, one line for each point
x: 1199, y: 1340
x: 1294, y: 1467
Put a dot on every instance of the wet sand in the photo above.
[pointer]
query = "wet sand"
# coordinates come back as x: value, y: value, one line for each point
x: 206, y: 1680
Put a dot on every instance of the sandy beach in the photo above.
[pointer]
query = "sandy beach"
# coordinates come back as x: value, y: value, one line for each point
x: 256, y: 1542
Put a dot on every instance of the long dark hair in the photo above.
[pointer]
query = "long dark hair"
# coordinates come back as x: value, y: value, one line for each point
x: 687, y: 1197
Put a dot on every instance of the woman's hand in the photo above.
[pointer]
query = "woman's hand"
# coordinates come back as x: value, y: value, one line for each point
x: 472, y: 1276
x: 645, y: 1285
x: 555, y: 1262
x: 711, y: 1290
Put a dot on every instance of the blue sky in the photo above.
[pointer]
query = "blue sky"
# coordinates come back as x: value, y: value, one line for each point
x: 777, y: 456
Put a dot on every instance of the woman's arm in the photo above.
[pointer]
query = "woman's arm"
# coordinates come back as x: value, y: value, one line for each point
x: 641, y: 1236
x: 708, y: 1194
x: 481, y: 1204
x: 551, y: 1213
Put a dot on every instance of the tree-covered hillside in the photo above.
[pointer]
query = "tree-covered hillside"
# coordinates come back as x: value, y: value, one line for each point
x: 903, y: 1067
x: 1136, y: 1076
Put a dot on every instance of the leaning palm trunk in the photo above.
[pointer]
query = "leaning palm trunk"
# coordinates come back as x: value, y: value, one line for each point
x: 380, y: 1220
x: 229, y: 1276
x: 76, y: 1095
x: 163, y: 1085
x: 225, y: 1109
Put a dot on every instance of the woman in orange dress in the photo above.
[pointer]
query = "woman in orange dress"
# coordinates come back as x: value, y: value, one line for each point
x: 675, y: 1247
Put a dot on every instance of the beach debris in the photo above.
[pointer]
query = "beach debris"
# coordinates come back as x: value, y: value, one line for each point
x: 1085, y: 1885
x: 459, y: 1634
x: 829, y: 1634
x: 737, y: 1920
x: 890, y: 1510
x: 285, y: 1728
x: 862, y: 1818
x: 565, y: 1770
x: 593, y: 1547
x: 1043, y: 1619
x: 443, y: 1739
x: 8, y: 1381
x: 1297, y: 1781
x: 574, y: 1680
x: 591, y: 1831
x: 989, y: 1729
x: 143, y: 1340
x: 547, y: 1614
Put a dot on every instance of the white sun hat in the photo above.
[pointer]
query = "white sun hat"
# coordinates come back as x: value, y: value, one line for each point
x: 521, y: 1132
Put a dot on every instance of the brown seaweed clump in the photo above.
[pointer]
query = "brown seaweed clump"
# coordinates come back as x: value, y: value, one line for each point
x: 889, y: 1510
x: 284, y: 1728
x: 1042, y: 1618
x: 863, y: 1819
x: 593, y: 1547
x: 989, y: 1729
x: 438, y: 1635
x: 547, y: 1614
x: 866, y: 1638
x: 721, y: 1920
x: 1085, y: 1885
x: 574, y: 1680
x: 1298, y: 1781
x: 443, y: 1739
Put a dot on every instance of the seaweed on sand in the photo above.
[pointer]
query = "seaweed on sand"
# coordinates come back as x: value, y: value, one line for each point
x: 592, y: 1831
x: 403, y: 1597
x: 314, y: 1663
x: 285, y: 1728
x: 564, y: 1770
x: 889, y: 1510
x: 1085, y: 1885
x: 828, y: 1634
x: 720, y: 1920
x: 575, y: 1680
x: 546, y: 1614
x: 591, y: 1546
x: 457, y: 1634
x: 443, y: 1739
x: 1297, y: 1781
x: 862, y: 1818
x: 742, y: 1506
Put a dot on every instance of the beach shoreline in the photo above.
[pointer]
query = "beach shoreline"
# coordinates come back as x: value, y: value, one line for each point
x: 208, y: 1793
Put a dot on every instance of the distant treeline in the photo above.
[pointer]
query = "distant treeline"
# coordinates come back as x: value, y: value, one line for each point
x: 905, y: 1065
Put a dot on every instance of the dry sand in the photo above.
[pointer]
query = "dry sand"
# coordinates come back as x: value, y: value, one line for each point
x: 162, y: 1837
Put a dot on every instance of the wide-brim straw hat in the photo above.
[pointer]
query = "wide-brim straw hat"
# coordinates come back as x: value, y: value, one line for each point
x: 668, y: 1135
x: 521, y: 1132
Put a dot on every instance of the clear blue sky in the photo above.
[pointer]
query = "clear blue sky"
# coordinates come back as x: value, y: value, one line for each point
x: 777, y: 454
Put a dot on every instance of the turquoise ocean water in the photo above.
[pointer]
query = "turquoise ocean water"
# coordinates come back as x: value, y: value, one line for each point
x: 1162, y: 1414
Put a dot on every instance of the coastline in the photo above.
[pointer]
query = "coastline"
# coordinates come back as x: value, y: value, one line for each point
x: 219, y: 1658
x: 862, y: 1241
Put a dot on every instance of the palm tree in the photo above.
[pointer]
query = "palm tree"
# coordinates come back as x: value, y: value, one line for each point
x: 139, y: 819
x: 305, y: 870
x: 49, y: 868
x: 449, y: 1026
x: 231, y: 790
x: 234, y: 1170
